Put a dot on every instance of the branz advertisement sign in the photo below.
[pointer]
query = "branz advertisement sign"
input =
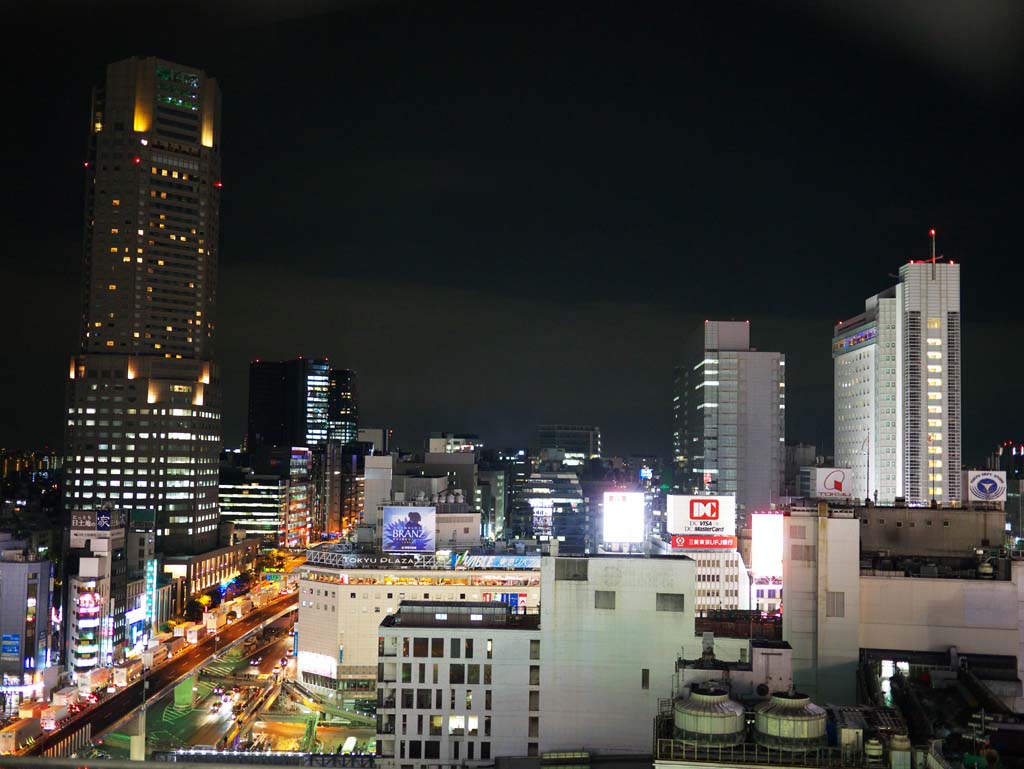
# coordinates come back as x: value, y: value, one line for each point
x: 409, y: 529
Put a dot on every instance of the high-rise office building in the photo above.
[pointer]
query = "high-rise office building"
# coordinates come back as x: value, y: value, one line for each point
x: 897, y: 389
x: 342, y: 407
x: 289, y: 406
x: 577, y: 443
x: 143, y: 413
x: 288, y: 403
x: 730, y: 412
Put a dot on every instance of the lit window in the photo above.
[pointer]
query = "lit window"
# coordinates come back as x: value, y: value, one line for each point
x: 933, y: 342
x: 935, y: 477
x: 110, y: 343
x: 113, y: 231
x: 935, y: 423
x: 934, y: 463
x: 934, y: 355
x: 115, y: 202
x: 935, y: 368
x: 935, y: 449
x: 934, y: 323
x: 935, y: 436
x: 113, y: 250
x: 934, y: 382
x: 935, y: 491
x: 935, y: 409
x: 934, y: 396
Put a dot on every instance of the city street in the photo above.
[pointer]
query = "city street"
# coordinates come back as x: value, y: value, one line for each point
x: 117, y: 705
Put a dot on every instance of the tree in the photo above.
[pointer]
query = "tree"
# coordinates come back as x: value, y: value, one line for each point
x: 193, y: 610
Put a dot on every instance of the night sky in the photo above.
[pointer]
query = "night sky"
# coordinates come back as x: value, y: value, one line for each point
x: 505, y: 213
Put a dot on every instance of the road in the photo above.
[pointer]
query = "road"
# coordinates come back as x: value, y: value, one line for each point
x: 116, y: 706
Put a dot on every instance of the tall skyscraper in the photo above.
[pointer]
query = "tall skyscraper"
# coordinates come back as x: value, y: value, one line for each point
x: 342, y: 407
x: 288, y: 403
x: 143, y: 414
x: 897, y: 389
x: 729, y: 406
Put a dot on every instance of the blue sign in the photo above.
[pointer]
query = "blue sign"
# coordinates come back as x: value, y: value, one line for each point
x: 10, y: 647
x: 409, y: 529
x: 102, y: 520
x: 467, y: 561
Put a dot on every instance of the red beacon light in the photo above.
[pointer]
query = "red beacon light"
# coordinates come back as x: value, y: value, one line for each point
x: 137, y: 160
x: 931, y: 232
x: 218, y: 184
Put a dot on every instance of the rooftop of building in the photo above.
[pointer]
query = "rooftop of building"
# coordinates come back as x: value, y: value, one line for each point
x: 987, y: 566
x: 461, y: 614
x: 740, y: 623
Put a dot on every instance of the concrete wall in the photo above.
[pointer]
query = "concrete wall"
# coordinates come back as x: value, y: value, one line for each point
x: 592, y: 659
x: 926, y: 532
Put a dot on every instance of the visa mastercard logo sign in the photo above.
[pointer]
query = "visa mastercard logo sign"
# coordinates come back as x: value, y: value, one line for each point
x: 704, y: 515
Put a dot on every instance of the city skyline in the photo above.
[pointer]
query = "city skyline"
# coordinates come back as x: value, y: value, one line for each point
x: 605, y: 303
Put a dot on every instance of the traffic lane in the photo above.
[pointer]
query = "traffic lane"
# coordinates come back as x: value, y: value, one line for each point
x: 114, y: 707
x: 270, y: 658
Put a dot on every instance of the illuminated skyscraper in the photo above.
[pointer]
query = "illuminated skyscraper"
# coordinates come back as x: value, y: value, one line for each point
x: 897, y: 389
x: 143, y: 415
x: 730, y: 412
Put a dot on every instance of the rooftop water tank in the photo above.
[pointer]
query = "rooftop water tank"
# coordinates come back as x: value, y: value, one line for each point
x: 790, y: 721
x: 709, y: 717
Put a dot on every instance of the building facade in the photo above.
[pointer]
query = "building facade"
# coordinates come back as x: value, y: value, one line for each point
x: 344, y: 596
x: 143, y: 413
x: 256, y: 504
x: 897, y: 389
x: 730, y: 411
x: 578, y: 443
x: 576, y: 680
x: 25, y: 600
x: 97, y: 591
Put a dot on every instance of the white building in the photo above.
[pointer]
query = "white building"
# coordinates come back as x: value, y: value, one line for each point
x: 722, y: 579
x: 834, y: 609
x: 590, y: 676
x: 344, y: 596
x: 459, y: 683
x: 897, y: 389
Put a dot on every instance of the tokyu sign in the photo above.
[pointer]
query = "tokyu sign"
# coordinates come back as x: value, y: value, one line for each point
x: 702, y: 522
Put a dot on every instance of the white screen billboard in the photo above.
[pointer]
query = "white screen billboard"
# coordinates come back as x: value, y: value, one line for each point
x: 832, y: 483
x: 623, y: 517
x: 702, y: 523
x: 985, y: 485
x: 766, y: 544
x: 409, y: 529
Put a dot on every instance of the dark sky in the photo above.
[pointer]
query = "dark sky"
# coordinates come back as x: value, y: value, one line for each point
x: 505, y: 213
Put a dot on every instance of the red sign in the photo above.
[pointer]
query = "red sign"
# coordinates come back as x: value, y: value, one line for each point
x: 685, y: 542
x: 703, y: 509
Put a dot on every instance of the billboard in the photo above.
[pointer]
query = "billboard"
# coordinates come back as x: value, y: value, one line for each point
x: 702, y: 523
x: 467, y: 561
x: 766, y: 544
x: 985, y: 485
x: 623, y: 516
x: 832, y: 483
x: 409, y: 529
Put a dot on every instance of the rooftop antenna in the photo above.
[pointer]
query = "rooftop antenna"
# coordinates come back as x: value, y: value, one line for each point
x: 931, y: 234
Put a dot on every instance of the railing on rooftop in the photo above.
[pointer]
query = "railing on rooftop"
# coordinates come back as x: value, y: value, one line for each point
x: 751, y: 754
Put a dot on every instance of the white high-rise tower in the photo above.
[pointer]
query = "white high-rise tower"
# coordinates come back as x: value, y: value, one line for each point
x: 897, y: 388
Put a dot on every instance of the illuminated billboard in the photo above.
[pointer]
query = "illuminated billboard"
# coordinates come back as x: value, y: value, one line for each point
x: 985, y: 485
x: 832, y: 483
x: 623, y: 517
x: 766, y: 544
x: 702, y: 523
x: 409, y: 529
